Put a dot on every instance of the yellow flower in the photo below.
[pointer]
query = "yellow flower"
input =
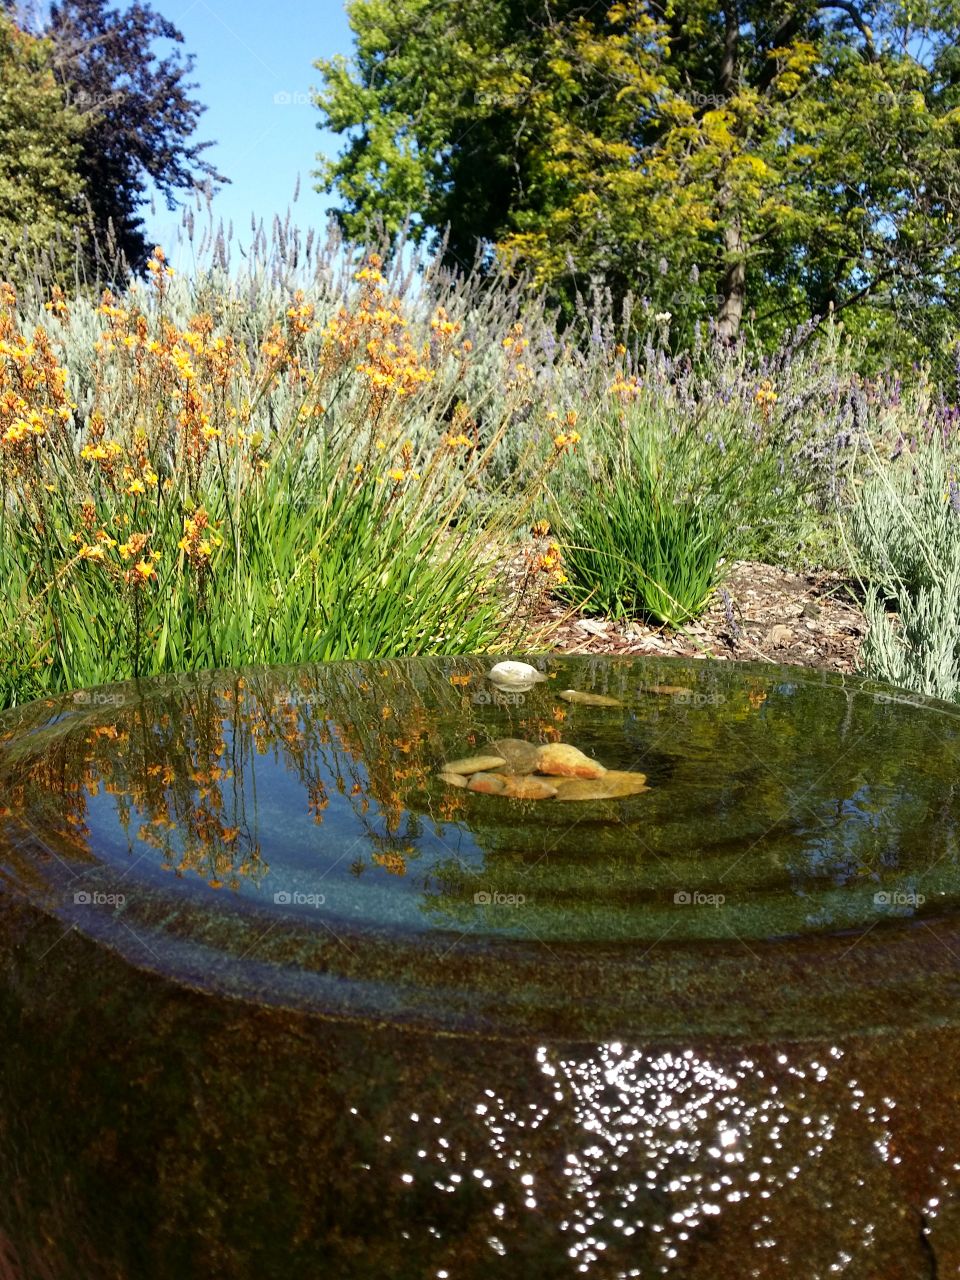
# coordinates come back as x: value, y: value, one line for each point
x: 193, y: 340
x: 57, y: 305
x: 765, y: 397
x: 181, y: 362
x: 442, y: 324
x: 136, y: 487
x: 371, y: 271
x: 566, y: 440
x: 100, y: 452
x: 396, y: 474
x: 157, y: 264
x: 625, y: 387
x: 146, y: 569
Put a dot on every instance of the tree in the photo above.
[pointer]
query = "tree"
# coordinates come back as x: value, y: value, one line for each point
x: 138, y: 113
x: 40, y: 145
x: 788, y: 157
x: 429, y: 101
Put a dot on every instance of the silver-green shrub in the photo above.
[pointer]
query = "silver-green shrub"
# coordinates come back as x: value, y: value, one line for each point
x: 904, y: 531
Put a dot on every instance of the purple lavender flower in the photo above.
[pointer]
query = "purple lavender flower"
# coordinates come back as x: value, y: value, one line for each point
x: 728, y: 612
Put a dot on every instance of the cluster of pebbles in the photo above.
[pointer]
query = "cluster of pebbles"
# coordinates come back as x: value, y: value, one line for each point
x: 526, y: 771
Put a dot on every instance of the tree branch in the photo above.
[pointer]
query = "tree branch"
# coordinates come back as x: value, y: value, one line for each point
x: 856, y: 17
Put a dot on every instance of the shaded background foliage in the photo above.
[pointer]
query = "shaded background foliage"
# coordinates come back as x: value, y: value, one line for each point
x: 94, y: 123
x: 139, y: 114
x: 40, y: 144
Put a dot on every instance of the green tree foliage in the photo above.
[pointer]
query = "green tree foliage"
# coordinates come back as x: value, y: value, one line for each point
x: 40, y: 144
x: 779, y: 159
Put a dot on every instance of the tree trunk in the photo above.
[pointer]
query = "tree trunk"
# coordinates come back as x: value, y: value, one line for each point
x: 733, y: 285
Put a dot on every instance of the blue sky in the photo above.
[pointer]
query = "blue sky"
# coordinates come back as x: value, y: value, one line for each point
x: 254, y: 71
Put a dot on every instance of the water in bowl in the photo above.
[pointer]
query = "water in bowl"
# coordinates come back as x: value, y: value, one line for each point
x: 277, y: 997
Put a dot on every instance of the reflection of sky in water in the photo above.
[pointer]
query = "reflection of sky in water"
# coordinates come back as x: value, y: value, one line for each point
x: 269, y: 803
x: 668, y: 1143
x: 853, y: 835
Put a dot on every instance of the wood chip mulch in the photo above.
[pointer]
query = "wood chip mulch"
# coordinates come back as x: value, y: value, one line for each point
x: 762, y: 614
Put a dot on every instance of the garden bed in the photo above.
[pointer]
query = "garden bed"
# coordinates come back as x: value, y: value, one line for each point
x: 808, y: 619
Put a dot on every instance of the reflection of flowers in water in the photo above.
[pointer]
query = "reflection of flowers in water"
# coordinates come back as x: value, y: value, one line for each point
x: 184, y: 775
x: 655, y: 1150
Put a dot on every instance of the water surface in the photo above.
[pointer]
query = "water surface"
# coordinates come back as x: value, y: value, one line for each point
x: 274, y: 993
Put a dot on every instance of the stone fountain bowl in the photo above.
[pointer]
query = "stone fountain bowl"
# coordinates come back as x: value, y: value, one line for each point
x: 277, y: 996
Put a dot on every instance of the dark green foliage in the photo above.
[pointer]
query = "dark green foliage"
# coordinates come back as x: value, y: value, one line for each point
x: 138, y: 111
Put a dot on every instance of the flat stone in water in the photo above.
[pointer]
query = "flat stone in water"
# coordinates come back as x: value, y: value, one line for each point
x: 519, y: 756
x: 559, y: 759
x: 474, y: 764
x: 588, y: 699
x: 614, y: 784
x: 488, y: 784
x: 452, y: 779
x: 529, y: 788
